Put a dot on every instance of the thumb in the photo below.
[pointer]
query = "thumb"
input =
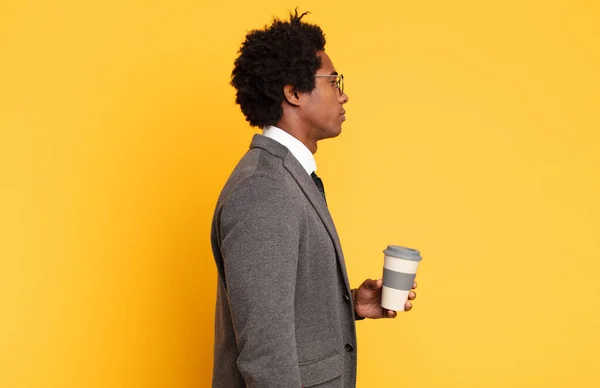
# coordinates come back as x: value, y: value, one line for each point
x: 371, y: 284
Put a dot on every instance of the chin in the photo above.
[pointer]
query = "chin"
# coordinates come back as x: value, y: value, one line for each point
x: 331, y: 132
x: 331, y: 135
x: 338, y: 132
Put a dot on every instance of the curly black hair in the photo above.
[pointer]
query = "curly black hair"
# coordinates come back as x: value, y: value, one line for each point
x: 284, y: 53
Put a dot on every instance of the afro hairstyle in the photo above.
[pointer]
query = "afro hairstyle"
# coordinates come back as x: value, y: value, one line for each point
x: 284, y: 53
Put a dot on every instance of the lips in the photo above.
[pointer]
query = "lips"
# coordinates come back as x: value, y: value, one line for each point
x: 343, y: 113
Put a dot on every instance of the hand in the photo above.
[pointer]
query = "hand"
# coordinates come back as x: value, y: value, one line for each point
x: 367, y: 300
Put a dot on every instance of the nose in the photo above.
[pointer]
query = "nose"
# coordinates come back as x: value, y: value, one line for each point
x: 344, y: 98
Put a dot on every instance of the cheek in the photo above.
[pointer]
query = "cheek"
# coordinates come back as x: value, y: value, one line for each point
x: 321, y: 110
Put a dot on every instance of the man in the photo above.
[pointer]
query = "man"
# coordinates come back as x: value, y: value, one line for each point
x: 285, y: 311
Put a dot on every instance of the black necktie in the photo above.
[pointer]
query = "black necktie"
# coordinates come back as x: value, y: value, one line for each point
x: 319, y: 184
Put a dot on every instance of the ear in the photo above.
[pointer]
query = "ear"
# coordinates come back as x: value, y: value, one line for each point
x: 291, y: 95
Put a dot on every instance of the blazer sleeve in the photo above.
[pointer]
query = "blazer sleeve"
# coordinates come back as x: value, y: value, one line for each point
x: 259, y: 237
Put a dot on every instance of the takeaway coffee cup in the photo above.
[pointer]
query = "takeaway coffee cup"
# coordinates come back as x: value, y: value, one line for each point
x: 399, y: 272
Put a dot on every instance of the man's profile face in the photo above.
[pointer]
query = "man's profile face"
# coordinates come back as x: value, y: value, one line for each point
x: 324, y: 111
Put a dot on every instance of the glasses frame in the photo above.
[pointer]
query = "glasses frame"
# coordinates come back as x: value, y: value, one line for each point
x: 339, y: 81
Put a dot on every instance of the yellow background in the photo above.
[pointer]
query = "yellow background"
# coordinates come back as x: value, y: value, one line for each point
x: 472, y: 135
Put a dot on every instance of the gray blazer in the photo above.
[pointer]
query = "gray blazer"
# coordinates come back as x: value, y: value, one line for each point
x: 284, y: 316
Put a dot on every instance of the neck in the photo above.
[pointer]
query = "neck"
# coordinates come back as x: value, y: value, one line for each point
x: 299, y: 132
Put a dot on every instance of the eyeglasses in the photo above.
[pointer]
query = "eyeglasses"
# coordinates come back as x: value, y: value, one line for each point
x: 339, y: 81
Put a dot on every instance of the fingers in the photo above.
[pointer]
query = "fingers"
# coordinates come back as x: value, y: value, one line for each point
x: 385, y: 313
x: 407, y: 306
x: 415, y: 285
x: 412, y: 295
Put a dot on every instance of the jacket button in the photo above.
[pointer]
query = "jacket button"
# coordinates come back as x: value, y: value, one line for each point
x: 349, y: 348
x: 346, y: 298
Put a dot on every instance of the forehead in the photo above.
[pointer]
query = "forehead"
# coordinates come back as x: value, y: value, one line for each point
x: 326, y: 64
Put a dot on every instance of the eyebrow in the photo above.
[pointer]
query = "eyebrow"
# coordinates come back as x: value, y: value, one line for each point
x: 334, y: 73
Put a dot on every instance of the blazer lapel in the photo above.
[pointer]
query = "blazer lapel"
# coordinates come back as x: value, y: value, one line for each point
x: 309, y: 188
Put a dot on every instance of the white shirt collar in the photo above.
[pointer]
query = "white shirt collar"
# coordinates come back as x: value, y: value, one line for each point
x: 296, y: 147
